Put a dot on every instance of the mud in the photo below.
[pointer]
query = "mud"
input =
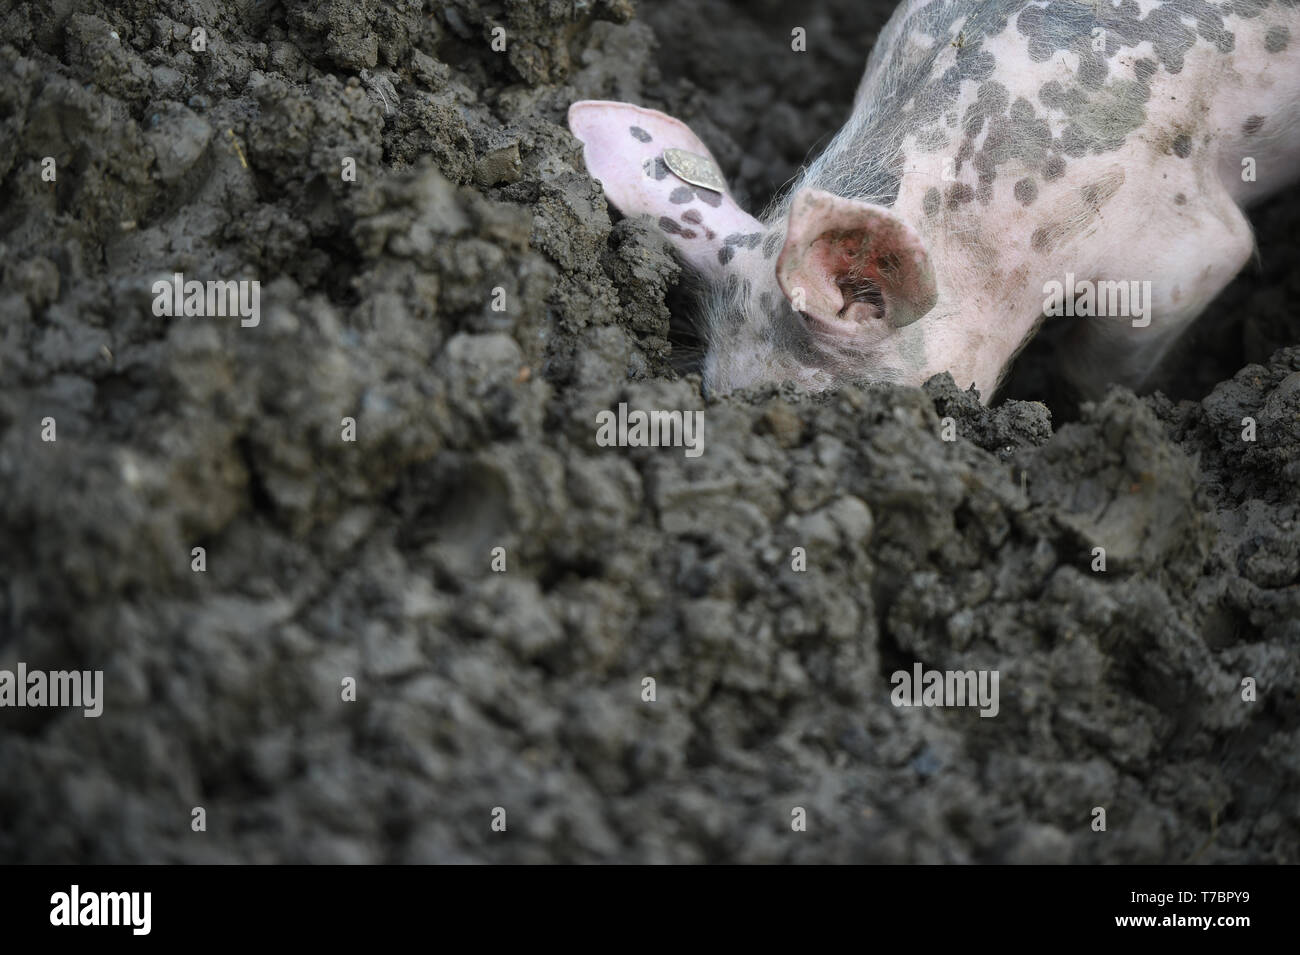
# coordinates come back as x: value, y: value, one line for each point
x: 329, y: 559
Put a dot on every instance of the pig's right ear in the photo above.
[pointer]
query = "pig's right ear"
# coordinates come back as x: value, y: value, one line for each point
x: 624, y: 147
x: 856, y: 267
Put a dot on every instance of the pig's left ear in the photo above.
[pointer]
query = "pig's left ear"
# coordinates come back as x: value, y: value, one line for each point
x: 651, y: 164
x: 852, y: 264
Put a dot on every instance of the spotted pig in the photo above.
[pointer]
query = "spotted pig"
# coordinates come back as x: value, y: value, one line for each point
x: 1000, y: 154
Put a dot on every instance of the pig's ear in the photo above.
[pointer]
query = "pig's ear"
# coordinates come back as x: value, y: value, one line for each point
x: 851, y: 264
x: 651, y: 164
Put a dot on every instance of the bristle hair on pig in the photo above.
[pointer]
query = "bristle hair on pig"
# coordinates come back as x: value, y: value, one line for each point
x: 998, y: 153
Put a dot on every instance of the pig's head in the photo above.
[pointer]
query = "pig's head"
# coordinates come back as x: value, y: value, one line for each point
x: 827, y: 290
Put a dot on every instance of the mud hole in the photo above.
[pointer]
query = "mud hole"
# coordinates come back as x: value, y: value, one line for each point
x: 328, y: 559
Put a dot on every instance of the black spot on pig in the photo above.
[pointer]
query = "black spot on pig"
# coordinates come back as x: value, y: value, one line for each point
x: 1143, y: 69
x: 1180, y: 200
x: 672, y: 228
x: 997, y: 147
x: 693, y: 217
x: 1073, y: 141
x: 930, y: 204
x: 975, y: 64
x: 687, y: 193
x: 1054, y: 168
x: 1276, y: 39
x: 1031, y: 137
x: 640, y: 134
x: 1247, y: 9
x: 1041, y: 240
x: 655, y: 168
x: 1068, y: 100
x: 958, y: 193
x: 1252, y: 124
x: 1092, y: 65
x: 1182, y: 145
x: 771, y: 244
x: 964, y: 153
x: 725, y: 254
x: 990, y: 100
x: 744, y: 240
x: 1026, y: 191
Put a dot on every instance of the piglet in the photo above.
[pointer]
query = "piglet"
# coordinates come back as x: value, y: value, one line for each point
x: 1004, y: 160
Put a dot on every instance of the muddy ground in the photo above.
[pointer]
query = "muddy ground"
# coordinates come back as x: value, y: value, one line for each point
x: 370, y: 559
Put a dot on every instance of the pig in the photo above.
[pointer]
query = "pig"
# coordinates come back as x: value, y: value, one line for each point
x: 1000, y: 154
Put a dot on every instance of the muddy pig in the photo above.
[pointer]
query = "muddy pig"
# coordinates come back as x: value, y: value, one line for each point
x: 1004, y: 160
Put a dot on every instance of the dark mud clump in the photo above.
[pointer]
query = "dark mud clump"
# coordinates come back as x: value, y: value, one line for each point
x: 468, y: 304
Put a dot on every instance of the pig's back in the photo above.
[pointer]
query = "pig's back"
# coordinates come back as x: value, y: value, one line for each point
x: 1025, y: 89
